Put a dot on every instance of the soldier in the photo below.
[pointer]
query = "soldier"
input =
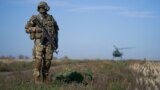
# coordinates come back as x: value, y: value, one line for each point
x: 43, y: 47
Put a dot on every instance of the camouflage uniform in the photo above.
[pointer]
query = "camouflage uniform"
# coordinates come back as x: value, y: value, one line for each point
x: 42, y: 51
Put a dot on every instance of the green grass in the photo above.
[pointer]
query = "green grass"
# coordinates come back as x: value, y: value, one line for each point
x: 99, y: 75
x: 8, y: 66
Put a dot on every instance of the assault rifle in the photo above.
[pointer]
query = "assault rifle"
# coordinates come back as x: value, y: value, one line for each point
x: 45, y: 36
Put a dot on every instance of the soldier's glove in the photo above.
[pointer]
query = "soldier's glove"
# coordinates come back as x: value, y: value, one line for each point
x: 38, y: 30
x: 34, y: 30
x: 31, y: 30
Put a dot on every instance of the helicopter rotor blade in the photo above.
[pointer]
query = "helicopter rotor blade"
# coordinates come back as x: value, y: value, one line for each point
x: 126, y: 48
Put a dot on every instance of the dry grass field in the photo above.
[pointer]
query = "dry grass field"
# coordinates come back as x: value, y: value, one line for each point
x: 106, y: 75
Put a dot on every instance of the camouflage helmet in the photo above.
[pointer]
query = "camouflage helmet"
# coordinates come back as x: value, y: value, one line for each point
x: 44, y: 4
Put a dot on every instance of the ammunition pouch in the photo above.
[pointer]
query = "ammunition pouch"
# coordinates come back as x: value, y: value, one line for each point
x: 35, y: 36
x: 38, y: 35
x: 32, y: 36
x: 35, y: 33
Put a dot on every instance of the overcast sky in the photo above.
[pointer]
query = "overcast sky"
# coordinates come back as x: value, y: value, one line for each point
x: 88, y: 28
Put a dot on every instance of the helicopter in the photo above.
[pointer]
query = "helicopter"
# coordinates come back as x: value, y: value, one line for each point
x: 117, y: 53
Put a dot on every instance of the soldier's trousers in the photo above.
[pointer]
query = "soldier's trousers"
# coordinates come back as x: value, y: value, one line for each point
x: 40, y: 53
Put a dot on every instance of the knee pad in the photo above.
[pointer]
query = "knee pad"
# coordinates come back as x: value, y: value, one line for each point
x: 36, y: 73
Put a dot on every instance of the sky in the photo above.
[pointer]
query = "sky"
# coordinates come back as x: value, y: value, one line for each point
x: 88, y: 28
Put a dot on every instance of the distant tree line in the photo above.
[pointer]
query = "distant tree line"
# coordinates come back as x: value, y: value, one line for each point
x: 14, y: 57
x: 27, y: 57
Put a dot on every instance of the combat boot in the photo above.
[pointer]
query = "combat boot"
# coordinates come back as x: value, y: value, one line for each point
x: 37, y: 78
x: 47, y: 78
